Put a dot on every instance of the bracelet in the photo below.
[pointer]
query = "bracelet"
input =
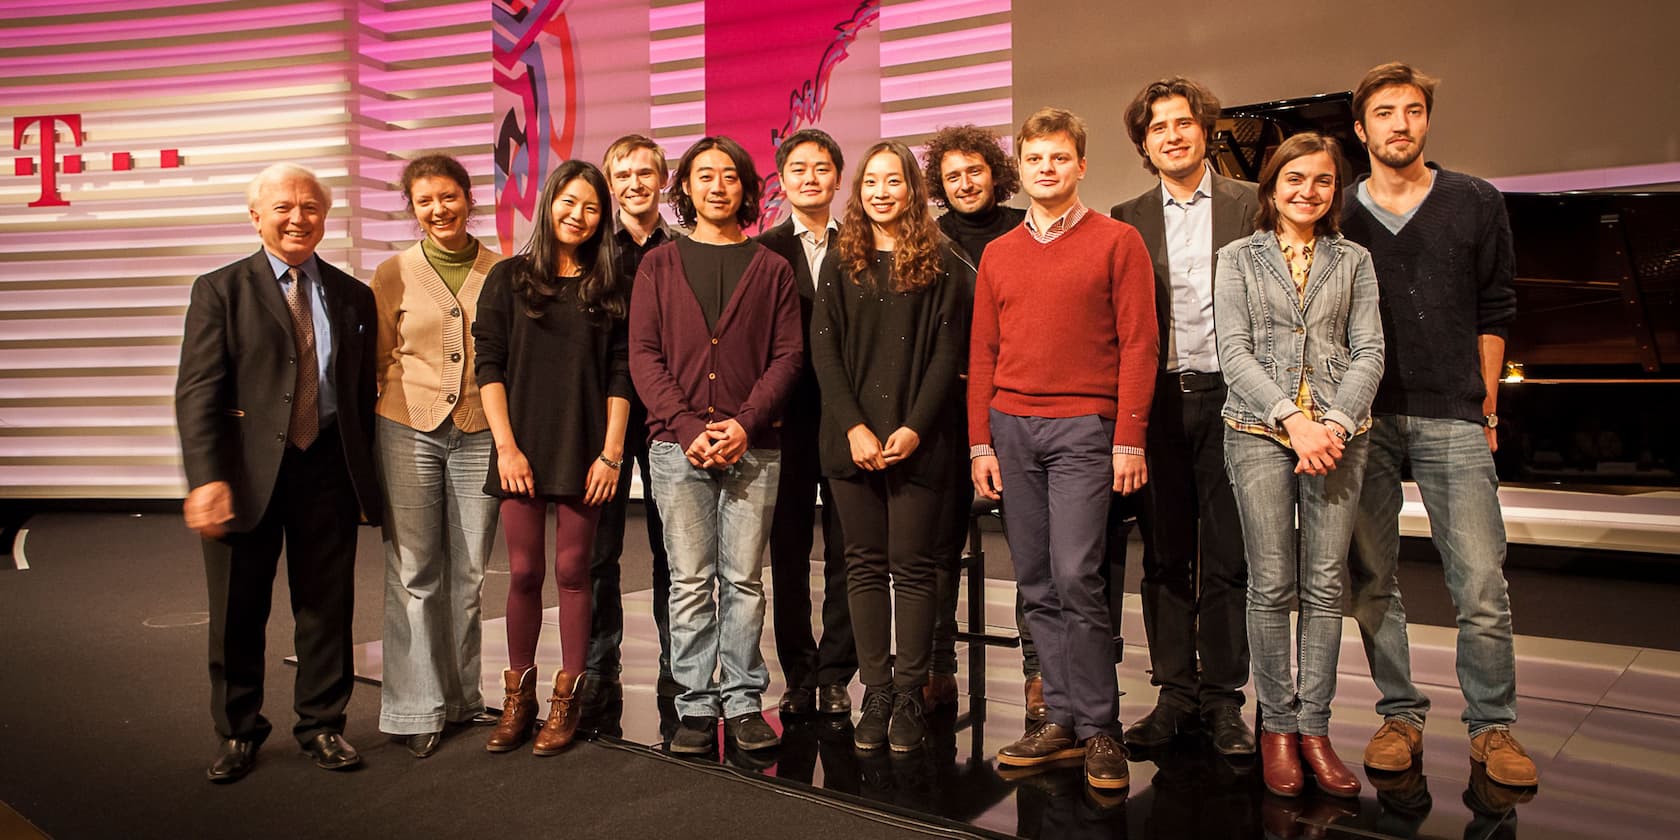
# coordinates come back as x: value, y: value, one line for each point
x: 608, y: 461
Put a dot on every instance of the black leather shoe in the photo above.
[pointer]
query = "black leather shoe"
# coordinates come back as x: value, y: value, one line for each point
x: 423, y: 744
x: 832, y: 699
x: 1226, y: 729
x: 236, y: 758
x: 484, y: 718
x: 1159, y: 726
x: 331, y: 752
x: 798, y: 701
x: 598, y: 692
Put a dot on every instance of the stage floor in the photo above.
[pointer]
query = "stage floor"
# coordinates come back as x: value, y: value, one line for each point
x: 1601, y: 721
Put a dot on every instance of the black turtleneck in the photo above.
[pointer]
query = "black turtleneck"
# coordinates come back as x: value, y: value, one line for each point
x: 973, y: 231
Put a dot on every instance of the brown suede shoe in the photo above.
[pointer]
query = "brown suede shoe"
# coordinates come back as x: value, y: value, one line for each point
x: 1504, y: 758
x: 1394, y: 746
x: 562, y: 723
x: 1034, y: 690
x: 1333, y: 777
x: 519, y: 710
x: 940, y: 690
x: 1042, y: 744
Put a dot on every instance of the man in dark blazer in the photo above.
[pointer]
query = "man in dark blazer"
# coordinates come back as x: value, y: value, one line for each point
x: 1194, y: 576
x: 808, y: 163
x: 273, y: 401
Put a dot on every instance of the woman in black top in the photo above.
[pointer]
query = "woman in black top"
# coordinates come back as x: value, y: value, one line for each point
x: 554, y: 375
x: 887, y: 337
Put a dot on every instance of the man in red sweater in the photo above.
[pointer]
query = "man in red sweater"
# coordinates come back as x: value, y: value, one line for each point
x: 1061, y: 373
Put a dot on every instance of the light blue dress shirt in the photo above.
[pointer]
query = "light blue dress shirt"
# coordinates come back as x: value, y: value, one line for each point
x: 311, y: 273
x: 1191, y: 346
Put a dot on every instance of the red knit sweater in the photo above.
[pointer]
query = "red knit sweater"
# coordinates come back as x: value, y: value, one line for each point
x: 1065, y: 329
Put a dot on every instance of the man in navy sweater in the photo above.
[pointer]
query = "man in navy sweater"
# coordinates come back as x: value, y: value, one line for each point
x: 1442, y: 247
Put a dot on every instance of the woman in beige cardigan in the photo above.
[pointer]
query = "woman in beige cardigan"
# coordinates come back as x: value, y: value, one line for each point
x: 434, y: 449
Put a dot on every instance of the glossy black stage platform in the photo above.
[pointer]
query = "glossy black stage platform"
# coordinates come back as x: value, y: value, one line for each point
x: 1602, y: 722
x: 104, y: 731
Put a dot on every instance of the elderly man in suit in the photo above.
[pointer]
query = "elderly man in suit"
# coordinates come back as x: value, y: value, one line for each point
x: 817, y: 672
x: 273, y: 401
x: 1194, y: 575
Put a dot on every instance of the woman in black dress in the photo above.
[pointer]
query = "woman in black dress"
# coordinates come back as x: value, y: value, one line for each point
x: 888, y: 335
x: 554, y: 374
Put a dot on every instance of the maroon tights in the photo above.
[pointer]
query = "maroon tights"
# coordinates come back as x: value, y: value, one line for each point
x: 574, y: 526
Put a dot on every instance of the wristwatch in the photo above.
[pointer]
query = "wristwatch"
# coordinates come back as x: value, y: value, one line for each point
x: 1491, y: 421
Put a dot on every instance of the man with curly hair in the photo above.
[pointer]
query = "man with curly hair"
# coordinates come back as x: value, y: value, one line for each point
x: 969, y: 173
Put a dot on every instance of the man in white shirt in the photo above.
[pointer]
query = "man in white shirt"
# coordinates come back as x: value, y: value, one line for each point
x: 808, y: 163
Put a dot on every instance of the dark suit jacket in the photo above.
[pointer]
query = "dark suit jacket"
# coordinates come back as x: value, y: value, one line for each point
x: 232, y: 395
x: 1234, y: 208
x: 804, y: 407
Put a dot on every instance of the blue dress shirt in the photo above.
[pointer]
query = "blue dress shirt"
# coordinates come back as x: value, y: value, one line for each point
x: 311, y: 274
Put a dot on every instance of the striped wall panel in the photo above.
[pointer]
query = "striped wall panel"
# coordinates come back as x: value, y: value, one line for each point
x: 176, y: 106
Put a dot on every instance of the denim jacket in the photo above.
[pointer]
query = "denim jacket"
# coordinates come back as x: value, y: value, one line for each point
x: 1268, y: 334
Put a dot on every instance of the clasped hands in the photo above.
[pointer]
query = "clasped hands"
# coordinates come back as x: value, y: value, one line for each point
x: 1319, y: 445
x: 869, y: 453
x: 721, y: 445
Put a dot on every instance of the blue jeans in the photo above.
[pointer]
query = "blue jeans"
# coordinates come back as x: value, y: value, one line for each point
x: 439, y: 530
x: 1295, y: 534
x: 1455, y: 475
x: 717, y: 523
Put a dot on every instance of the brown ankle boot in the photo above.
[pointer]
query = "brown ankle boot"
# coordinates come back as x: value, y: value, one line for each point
x: 519, y: 710
x: 562, y: 723
x: 1280, y: 763
x: 1332, y: 775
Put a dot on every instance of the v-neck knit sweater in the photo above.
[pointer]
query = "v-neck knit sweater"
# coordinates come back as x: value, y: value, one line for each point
x: 1065, y: 329
x: 1443, y: 280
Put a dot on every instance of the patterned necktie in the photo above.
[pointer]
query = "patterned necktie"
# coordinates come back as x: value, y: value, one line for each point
x: 306, y: 397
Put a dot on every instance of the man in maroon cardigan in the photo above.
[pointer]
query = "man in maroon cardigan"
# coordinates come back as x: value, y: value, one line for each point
x: 715, y: 349
x: 1061, y: 373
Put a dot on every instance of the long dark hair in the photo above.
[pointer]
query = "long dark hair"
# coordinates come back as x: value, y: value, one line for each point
x: 916, y: 261
x: 600, y: 289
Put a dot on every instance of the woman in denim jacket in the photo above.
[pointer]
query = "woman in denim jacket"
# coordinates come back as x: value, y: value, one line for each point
x: 1301, y: 347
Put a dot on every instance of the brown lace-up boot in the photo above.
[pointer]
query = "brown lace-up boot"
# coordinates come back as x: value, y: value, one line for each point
x: 562, y: 723
x: 519, y: 710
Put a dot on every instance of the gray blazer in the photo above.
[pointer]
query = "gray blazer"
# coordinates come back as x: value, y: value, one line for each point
x: 1234, y: 209
x: 1268, y: 334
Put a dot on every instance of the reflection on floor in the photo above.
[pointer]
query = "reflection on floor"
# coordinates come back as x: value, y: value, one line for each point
x: 1601, y: 721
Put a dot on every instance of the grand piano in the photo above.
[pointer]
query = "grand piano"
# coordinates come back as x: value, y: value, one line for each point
x: 1590, y: 399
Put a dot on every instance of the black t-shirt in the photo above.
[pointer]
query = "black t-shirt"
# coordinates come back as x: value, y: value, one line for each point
x: 713, y: 272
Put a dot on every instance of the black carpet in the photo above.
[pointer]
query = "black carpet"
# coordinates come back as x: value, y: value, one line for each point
x: 105, y: 730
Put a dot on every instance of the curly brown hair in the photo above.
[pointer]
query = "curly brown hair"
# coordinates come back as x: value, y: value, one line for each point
x: 916, y: 260
x: 972, y: 140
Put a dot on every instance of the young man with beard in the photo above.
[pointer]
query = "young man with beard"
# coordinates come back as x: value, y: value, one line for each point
x: 816, y: 672
x: 715, y: 350
x: 1060, y: 438
x: 636, y: 174
x: 1441, y: 244
x: 1194, y: 574
x: 970, y: 175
